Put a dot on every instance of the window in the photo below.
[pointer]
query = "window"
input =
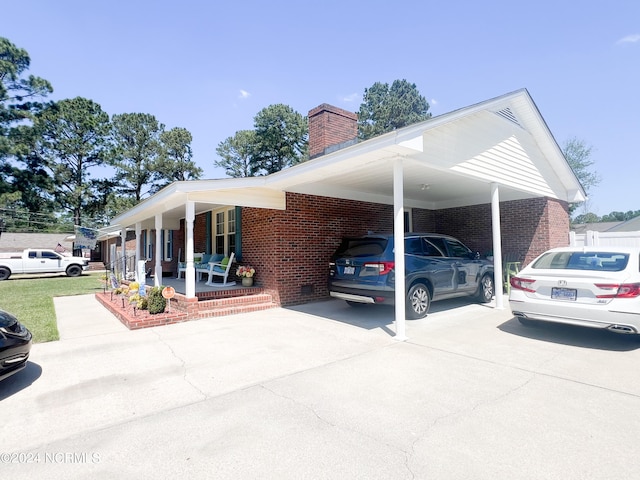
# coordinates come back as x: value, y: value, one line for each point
x: 456, y: 249
x: 413, y: 246
x: 435, y: 247
x: 146, y: 245
x: 231, y: 230
x: 431, y: 250
x: 220, y: 232
x: 225, y: 232
x: 167, y: 242
x: 608, y: 261
x: 362, y: 247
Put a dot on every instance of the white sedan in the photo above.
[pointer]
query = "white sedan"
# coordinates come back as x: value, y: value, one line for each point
x: 589, y: 286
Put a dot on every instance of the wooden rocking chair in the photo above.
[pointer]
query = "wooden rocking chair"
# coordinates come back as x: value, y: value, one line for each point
x: 220, y: 269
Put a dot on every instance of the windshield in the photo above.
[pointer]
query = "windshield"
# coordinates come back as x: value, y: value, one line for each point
x: 608, y: 261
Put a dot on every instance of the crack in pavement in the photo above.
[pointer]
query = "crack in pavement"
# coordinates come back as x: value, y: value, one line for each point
x: 407, y: 455
x: 182, y: 363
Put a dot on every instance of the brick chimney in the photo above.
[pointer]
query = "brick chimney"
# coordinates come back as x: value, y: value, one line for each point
x: 330, y: 126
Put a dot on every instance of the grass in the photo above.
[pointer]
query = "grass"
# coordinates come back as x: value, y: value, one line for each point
x: 30, y: 299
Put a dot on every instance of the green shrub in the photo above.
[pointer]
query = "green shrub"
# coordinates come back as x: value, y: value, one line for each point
x: 156, y: 302
x: 142, y: 303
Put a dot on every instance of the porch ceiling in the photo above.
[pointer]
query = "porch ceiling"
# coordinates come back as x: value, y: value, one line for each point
x: 448, y: 161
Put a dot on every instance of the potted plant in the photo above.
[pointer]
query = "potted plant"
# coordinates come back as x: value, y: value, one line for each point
x: 246, y: 273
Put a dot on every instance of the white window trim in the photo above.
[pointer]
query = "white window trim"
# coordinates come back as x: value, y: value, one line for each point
x: 225, y: 224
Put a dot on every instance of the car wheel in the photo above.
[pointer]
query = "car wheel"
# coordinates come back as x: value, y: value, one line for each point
x: 418, y: 301
x: 486, y: 289
x: 5, y: 273
x: 74, y: 271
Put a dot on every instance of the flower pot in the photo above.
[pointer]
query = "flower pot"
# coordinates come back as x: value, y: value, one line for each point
x: 247, y: 281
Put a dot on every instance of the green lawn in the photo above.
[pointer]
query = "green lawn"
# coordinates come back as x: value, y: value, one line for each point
x: 30, y: 298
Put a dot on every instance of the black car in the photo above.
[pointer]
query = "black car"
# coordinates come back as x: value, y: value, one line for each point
x: 436, y: 267
x: 15, y: 345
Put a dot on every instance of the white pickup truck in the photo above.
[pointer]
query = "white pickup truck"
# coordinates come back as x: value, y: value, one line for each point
x: 34, y: 260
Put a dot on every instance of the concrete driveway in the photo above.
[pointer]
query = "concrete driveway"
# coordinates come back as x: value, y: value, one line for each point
x: 322, y: 391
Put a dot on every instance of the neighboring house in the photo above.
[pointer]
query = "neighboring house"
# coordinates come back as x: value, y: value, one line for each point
x: 625, y: 233
x: 632, y: 225
x: 490, y: 174
x: 580, y: 228
x: 16, y: 242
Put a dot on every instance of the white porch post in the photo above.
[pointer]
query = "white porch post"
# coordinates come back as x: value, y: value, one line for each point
x: 398, y: 240
x: 159, y: 247
x: 123, y: 240
x: 138, y: 231
x: 497, y: 245
x: 190, y: 272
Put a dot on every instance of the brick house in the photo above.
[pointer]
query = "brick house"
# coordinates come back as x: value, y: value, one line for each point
x: 490, y: 174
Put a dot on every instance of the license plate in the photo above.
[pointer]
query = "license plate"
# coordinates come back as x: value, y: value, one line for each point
x: 564, y: 293
x: 349, y: 270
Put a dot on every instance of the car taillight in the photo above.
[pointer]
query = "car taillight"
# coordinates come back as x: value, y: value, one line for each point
x: 520, y: 283
x: 624, y: 290
x: 382, y: 267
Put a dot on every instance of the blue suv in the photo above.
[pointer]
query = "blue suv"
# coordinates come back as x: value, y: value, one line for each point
x: 437, y: 266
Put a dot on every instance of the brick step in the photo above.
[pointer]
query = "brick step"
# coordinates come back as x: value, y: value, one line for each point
x: 235, y: 309
x: 218, y: 303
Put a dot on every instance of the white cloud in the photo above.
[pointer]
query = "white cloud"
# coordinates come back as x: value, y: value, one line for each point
x: 630, y: 39
x: 433, y: 101
x: 244, y: 94
x: 352, y: 97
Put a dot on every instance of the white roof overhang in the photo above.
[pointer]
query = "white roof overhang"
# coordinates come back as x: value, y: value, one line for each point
x: 448, y: 161
x: 206, y: 194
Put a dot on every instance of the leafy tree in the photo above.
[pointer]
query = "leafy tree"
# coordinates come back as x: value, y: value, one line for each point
x: 136, y: 152
x: 72, y: 139
x: 281, y: 139
x: 18, y: 93
x: 386, y: 108
x: 620, y: 216
x: 578, y: 154
x: 588, y: 217
x: 115, y: 205
x: 175, y: 162
x: 237, y: 153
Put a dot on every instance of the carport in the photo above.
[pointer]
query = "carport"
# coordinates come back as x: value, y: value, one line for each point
x: 497, y: 150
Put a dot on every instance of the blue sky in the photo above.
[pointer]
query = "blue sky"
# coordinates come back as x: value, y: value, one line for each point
x: 210, y: 66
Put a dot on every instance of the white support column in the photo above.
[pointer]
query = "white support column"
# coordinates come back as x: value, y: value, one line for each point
x: 398, y: 240
x: 123, y: 241
x: 497, y: 245
x: 138, y: 232
x: 159, y: 248
x: 190, y: 273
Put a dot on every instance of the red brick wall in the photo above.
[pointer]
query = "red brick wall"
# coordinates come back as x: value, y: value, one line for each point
x: 423, y: 220
x: 528, y: 227
x: 329, y: 125
x: 291, y: 249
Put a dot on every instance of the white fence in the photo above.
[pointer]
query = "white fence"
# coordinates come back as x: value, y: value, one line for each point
x: 604, y: 239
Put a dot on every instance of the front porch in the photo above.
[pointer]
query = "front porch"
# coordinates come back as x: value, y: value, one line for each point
x: 208, y: 302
